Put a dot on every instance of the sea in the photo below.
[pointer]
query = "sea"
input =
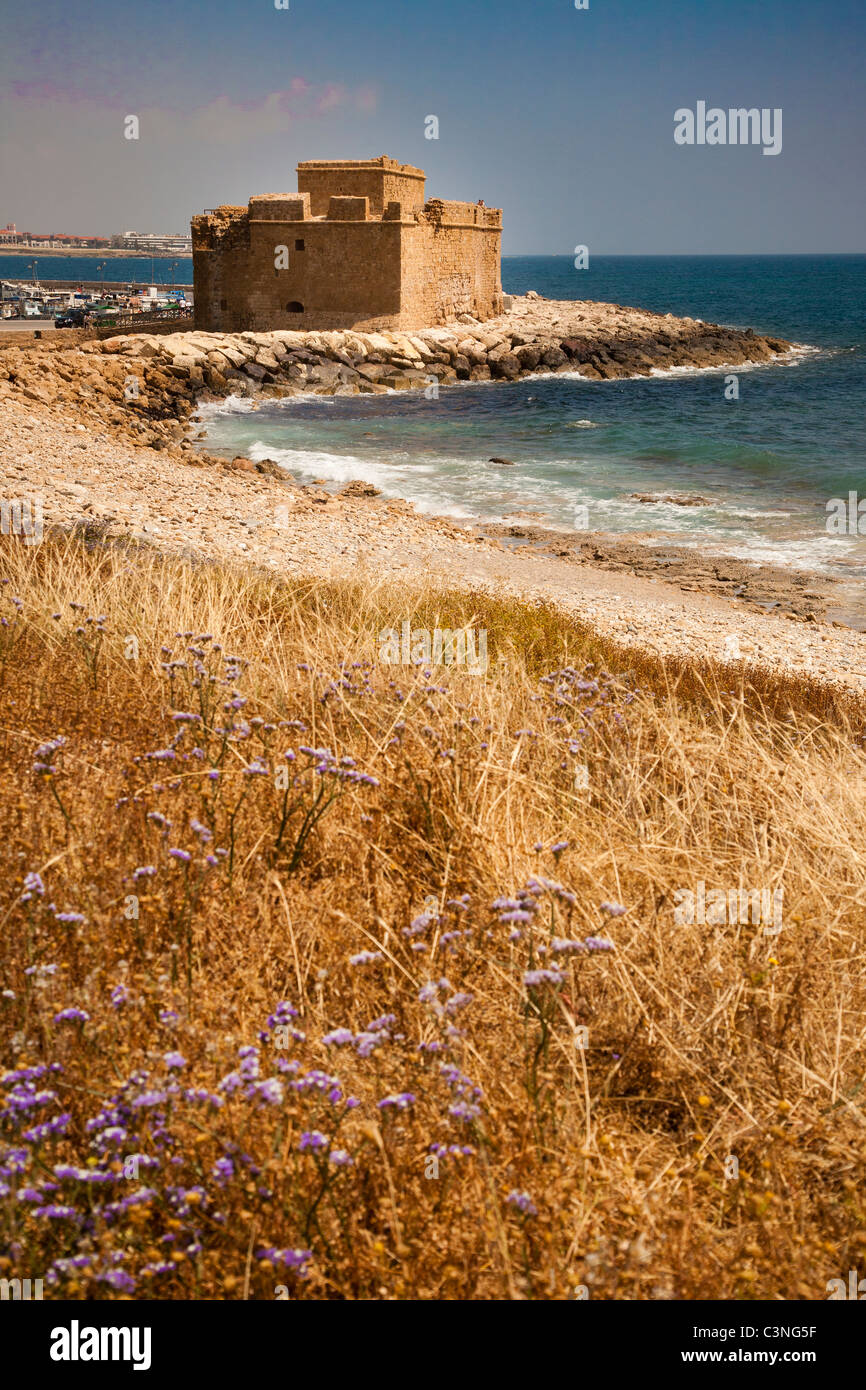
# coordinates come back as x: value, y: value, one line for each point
x: 138, y: 270
x: 768, y: 462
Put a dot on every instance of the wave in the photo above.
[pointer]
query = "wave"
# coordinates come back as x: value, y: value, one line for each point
x: 341, y: 468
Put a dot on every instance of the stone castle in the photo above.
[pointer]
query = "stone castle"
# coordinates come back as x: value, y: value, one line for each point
x: 356, y: 247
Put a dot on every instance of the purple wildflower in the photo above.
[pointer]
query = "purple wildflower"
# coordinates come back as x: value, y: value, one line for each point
x: 312, y: 1139
x: 401, y: 1101
x: 33, y: 886
x: 543, y: 977
x: 365, y: 958
x: 523, y: 1202
x: 223, y: 1170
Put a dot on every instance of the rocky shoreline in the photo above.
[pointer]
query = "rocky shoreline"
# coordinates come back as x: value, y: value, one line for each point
x: 763, y: 588
x: 147, y: 386
x: 100, y: 432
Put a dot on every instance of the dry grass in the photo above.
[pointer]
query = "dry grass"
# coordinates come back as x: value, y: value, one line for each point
x: 702, y: 1042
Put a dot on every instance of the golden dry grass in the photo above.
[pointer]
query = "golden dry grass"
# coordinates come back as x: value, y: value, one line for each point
x: 610, y: 1103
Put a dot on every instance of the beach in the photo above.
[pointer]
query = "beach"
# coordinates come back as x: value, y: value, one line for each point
x: 122, y: 462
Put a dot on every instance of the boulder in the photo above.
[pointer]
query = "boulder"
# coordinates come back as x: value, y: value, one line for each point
x: 233, y: 354
x: 423, y: 349
x: 474, y: 351
x: 372, y: 371
x: 408, y: 381
x: 554, y: 357
x: 442, y: 370
x: 529, y: 356
x: 216, y: 381
x: 505, y: 367
x: 276, y: 392
x: 324, y: 373
x: 577, y: 348
x: 357, y: 488
x: 492, y: 341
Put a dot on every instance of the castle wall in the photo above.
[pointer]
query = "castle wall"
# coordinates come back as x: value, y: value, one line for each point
x: 345, y: 275
x: 452, y: 266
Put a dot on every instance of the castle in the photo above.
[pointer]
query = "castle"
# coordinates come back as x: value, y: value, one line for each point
x: 356, y: 247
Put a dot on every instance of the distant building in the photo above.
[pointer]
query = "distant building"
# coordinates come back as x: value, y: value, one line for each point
x: 8, y: 234
x: 356, y: 247
x: 158, y: 242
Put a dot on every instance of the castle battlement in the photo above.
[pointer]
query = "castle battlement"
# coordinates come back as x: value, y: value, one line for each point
x: 356, y: 246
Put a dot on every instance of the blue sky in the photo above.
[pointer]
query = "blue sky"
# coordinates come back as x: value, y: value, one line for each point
x: 562, y: 117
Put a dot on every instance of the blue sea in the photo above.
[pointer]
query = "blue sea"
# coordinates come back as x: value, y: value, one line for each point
x: 53, y: 265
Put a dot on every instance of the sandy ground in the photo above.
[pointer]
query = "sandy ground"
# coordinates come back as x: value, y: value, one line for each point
x: 207, y: 509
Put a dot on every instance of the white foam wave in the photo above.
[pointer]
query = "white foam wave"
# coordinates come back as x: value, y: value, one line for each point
x: 230, y: 405
x: 392, y: 478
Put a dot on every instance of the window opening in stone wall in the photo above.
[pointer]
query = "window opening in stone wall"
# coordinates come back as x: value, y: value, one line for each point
x: 294, y: 307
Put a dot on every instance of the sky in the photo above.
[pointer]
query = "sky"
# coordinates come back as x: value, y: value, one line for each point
x: 563, y: 117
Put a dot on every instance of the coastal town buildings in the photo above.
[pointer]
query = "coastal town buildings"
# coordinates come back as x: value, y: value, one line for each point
x: 356, y: 247
x: 156, y: 243
x: 10, y: 236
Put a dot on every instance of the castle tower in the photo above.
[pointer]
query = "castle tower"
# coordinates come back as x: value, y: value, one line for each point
x: 381, y: 181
